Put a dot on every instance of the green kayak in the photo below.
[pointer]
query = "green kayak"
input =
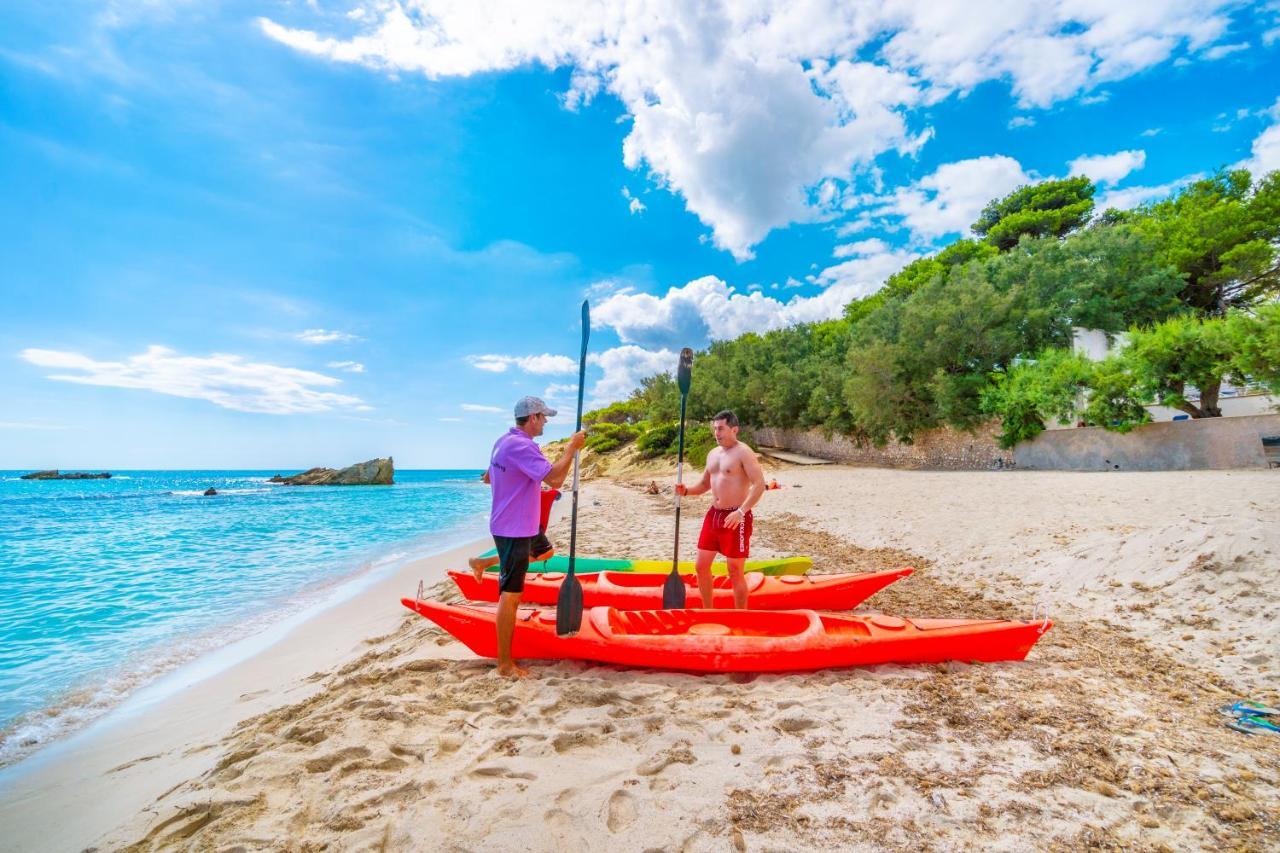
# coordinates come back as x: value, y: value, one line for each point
x: 591, y: 565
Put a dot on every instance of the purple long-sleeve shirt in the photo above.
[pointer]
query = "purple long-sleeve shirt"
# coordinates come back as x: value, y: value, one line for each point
x: 516, y: 469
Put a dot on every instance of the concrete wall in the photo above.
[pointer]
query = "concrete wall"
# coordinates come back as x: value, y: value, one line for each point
x: 943, y: 449
x: 1234, y: 406
x: 1169, y: 446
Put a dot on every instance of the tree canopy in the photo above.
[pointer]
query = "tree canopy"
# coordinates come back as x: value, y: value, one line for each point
x: 1221, y: 235
x: 984, y: 327
x: 1046, y: 209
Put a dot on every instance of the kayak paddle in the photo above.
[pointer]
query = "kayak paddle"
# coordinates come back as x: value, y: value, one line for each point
x: 673, y: 591
x: 569, y: 605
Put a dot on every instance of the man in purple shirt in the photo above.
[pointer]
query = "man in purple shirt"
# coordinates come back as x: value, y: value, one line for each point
x: 517, y: 470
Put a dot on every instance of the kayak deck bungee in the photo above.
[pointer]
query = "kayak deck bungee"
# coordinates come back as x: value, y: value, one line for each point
x: 739, y: 640
x: 592, y: 565
x: 643, y: 591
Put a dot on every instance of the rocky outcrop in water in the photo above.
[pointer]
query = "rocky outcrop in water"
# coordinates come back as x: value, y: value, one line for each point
x: 375, y: 472
x: 56, y: 475
x: 210, y: 492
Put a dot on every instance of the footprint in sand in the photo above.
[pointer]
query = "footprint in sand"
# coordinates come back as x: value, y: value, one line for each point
x: 657, y: 763
x: 327, y: 762
x: 502, y: 771
x: 226, y: 770
x: 621, y: 811
x: 446, y: 744
x: 311, y: 737
x: 414, y: 750
x: 574, y: 740
x: 792, y: 725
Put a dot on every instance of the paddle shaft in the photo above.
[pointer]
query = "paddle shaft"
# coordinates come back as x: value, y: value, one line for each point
x: 577, y: 426
x: 675, y: 557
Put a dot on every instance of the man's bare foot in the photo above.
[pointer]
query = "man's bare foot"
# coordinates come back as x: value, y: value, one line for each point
x: 513, y: 671
x: 479, y: 564
x: 542, y: 558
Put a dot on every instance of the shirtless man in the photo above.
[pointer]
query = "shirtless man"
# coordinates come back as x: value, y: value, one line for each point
x: 736, y: 482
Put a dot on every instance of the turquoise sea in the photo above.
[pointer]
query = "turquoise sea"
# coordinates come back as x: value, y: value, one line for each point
x: 107, y: 584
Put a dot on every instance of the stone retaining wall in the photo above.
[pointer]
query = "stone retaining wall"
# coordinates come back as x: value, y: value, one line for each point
x: 1166, y: 446
x: 943, y: 449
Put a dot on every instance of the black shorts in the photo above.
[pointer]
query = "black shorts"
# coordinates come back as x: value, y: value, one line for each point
x: 513, y: 558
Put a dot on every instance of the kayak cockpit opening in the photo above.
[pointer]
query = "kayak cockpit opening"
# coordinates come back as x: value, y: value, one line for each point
x: 705, y: 623
x: 844, y: 626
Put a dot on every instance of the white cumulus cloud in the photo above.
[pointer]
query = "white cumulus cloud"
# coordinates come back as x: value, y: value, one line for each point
x: 1108, y: 168
x: 623, y: 368
x: 347, y: 366
x: 1131, y: 197
x: 1221, y: 50
x: 761, y: 114
x: 708, y: 309
x: 325, y: 336
x: 545, y: 364
x: 225, y: 380
x: 949, y: 200
x: 560, y: 391
x: 634, y: 204
x: 476, y: 407
x: 1265, y: 150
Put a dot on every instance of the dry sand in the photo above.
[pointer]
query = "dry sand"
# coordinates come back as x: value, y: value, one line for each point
x: 1162, y: 587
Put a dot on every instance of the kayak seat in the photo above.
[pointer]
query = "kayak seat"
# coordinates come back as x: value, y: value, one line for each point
x: 649, y: 621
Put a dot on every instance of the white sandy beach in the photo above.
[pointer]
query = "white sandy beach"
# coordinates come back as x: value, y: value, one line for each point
x: 367, y: 727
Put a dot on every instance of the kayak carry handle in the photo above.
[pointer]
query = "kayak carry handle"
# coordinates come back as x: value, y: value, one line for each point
x: 1041, y: 605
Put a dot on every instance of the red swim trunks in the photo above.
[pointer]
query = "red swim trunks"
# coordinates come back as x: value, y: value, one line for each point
x: 732, y: 542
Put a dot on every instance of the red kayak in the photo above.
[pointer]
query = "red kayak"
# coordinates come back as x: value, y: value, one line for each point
x: 739, y: 640
x: 635, y: 591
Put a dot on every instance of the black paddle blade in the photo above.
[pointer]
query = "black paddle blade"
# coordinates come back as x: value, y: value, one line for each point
x: 569, y: 607
x: 673, y: 592
x: 684, y: 372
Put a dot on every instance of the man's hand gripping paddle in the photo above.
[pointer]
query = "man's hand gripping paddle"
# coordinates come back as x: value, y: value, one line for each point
x: 569, y: 605
x: 673, y: 591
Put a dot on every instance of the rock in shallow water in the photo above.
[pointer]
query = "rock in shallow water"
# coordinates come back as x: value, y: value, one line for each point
x: 375, y: 472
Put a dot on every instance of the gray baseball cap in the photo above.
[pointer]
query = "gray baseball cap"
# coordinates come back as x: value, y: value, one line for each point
x: 526, y: 406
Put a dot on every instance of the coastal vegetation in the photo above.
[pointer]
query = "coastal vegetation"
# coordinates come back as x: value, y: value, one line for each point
x: 1185, y: 288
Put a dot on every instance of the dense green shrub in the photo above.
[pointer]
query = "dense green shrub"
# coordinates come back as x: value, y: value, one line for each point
x: 655, y: 440
x: 630, y: 411
x: 1030, y: 393
x: 606, y: 436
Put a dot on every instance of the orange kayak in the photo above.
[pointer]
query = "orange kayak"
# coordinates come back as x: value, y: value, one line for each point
x: 636, y: 591
x: 739, y: 640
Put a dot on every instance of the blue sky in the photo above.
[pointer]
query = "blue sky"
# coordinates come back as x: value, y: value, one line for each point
x: 284, y: 234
